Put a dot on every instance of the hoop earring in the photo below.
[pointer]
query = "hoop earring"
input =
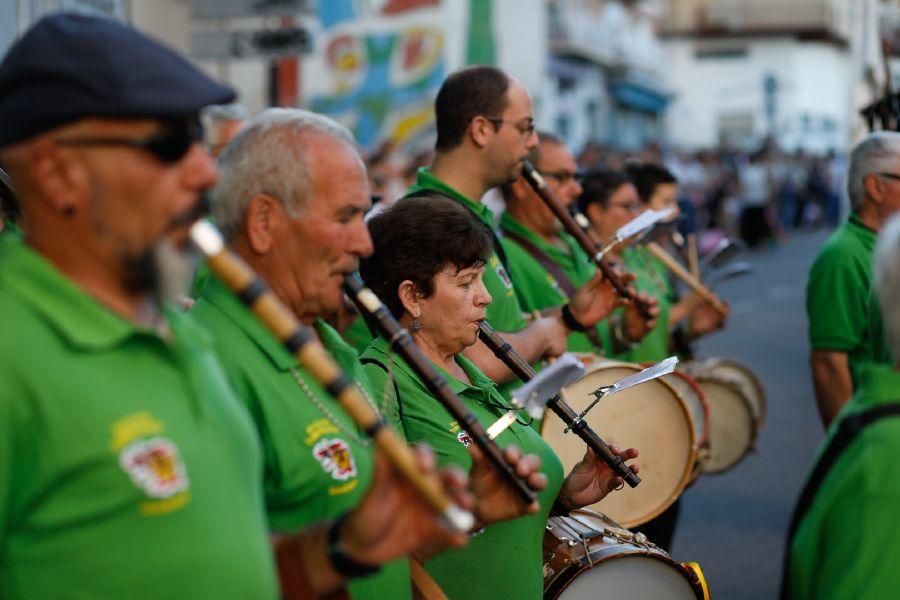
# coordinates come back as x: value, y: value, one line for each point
x: 415, y: 326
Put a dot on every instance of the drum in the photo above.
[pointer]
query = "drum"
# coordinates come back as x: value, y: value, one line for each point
x: 650, y: 417
x: 692, y: 395
x: 732, y: 419
x: 588, y: 556
x: 744, y: 378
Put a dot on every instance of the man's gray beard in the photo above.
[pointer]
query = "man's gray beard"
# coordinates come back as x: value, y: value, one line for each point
x: 164, y: 272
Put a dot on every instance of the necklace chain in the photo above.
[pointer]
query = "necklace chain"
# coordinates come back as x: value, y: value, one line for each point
x: 363, y: 441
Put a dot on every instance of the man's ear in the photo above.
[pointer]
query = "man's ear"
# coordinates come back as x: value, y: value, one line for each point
x: 263, y: 216
x: 874, y: 187
x: 410, y: 298
x: 480, y: 131
x: 62, y: 180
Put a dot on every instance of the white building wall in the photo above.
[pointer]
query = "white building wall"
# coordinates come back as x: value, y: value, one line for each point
x: 717, y: 92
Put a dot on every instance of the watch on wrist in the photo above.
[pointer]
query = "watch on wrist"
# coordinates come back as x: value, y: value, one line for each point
x: 569, y: 319
x: 343, y: 563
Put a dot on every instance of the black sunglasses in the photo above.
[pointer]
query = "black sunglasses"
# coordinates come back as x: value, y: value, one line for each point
x: 169, y: 145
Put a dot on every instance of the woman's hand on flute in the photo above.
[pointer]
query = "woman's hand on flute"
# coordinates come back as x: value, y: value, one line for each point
x: 591, y: 479
x: 392, y: 520
x: 634, y: 324
x: 495, y: 499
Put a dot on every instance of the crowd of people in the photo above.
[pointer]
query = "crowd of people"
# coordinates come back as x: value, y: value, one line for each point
x: 158, y: 445
x: 760, y: 197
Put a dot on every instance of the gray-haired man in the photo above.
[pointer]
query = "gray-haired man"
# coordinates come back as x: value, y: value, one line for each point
x: 838, y: 293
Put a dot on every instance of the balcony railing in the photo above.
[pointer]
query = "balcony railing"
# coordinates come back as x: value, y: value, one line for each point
x: 739, y: 16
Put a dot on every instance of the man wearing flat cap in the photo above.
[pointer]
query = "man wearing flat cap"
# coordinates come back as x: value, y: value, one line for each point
x: 127, y: 466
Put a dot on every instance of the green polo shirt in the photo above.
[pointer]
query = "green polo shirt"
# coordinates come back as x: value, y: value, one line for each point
x: 505, y: 561
x: 318, y: 465
x: 504, y: 313
x: 538, y: 289
x: 846, y: 545
x: 128, y: 469
x: 838, y: 295
x: 653, y: 280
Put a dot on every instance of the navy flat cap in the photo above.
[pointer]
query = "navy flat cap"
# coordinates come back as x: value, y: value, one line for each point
x: 70, y: 66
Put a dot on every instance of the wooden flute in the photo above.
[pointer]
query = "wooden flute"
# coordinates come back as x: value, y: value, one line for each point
x: 524, y: 371
x: 301, y: 341
x: 622, y: 289
x: 401, y: 341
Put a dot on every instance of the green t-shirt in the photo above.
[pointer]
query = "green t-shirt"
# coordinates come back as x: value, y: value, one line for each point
x: 128, y: 469
x: 505, y: 561
x: 504, y: 312
x: 846, y: 545
x: 838, y: 295
x: 538, y: 289
x: 318, y: 465
x: 653, y: 280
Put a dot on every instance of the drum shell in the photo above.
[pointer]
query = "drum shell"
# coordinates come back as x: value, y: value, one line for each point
x: 570, y: 540
x: 650, y: 417
x: 692, y: 395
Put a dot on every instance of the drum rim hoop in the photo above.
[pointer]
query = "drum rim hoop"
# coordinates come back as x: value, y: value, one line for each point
x: 752, y: 376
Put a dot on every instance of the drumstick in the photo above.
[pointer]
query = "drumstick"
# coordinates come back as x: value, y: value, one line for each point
x: 400, y: 340
x: 693, y: 261
x: 701, y: 290
x: 560, y: 407
x: 302, y: 342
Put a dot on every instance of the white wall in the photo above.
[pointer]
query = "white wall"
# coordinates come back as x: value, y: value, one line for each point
x: 813, y: 80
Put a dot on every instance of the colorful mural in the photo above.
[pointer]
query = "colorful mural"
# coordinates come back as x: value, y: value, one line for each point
x: 379, y: 63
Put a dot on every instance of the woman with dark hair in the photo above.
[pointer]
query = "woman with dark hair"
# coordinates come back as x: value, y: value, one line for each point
x: 427, y: 266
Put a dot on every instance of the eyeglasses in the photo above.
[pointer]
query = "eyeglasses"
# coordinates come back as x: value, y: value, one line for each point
x: 526, y: 127
x: 564, y: 177
x: 169, y: 145
x: 889, y: 176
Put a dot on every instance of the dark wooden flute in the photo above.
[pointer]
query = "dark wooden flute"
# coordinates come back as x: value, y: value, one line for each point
x: 401, y: 341
x: 524, y: 371
x: 622, y: 289
x: 302, y: 342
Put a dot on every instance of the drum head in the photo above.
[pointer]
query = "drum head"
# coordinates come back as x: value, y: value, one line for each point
x: 650, y: 417
x: 630, y: 577
x: 749, y: 383
x: 732, y: 430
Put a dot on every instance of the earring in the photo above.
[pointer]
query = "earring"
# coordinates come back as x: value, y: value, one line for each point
x: 415, y: 326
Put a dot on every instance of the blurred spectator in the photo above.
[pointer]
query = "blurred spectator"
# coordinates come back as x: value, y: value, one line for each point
x: 221, y: 122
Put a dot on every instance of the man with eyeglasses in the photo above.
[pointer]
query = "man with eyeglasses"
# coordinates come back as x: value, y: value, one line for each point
x: 844, y: 321
x: 485, y: 131
x: 128, y: 468
x: 546, y: 264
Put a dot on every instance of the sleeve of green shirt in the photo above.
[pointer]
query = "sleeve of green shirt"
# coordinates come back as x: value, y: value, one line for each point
x: 836, y: 302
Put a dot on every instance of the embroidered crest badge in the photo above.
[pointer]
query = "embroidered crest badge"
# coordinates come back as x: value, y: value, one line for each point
x: 504, y: 276
x: 463, y: 437
x: 155, y: 466
x: 336, y: 458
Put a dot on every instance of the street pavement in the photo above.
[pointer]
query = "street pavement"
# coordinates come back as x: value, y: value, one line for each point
x: 734, y: 523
